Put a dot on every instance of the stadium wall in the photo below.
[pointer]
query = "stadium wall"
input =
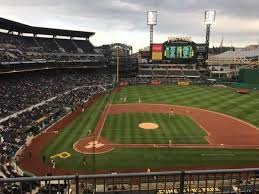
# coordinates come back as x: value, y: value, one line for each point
x: 250, y: 76
x: 177, y: 182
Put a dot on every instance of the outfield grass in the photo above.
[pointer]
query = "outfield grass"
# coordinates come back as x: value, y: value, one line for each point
x: 124, y: 129
x: 76, y: 130
x: 126, y: 159
x: 245, y: 107
x: 225, y: 100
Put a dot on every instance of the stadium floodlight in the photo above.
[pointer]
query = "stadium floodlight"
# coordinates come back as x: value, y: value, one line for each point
x: 210, y: 17
x: 152, y: 18
x: 151, y: 21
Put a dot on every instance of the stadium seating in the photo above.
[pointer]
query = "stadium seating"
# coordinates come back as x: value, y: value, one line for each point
x: 160, y: 73
x: 86, y: 46
x: 48, y: 45
x: 32, y: 101
x: 175, y: 73
x: 191, y: 73
x: 145, y: 72
x: 20, y: 42
x: 14, y: 48
x: 67, y: 45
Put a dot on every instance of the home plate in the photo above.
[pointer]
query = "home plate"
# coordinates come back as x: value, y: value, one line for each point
x: 222, y: 144
x: 94, y: 144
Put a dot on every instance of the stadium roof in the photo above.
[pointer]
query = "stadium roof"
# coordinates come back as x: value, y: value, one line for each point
x: 238, y: 54
x: 23, y: 28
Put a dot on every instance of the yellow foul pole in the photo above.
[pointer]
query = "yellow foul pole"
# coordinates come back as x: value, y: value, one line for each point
x: 118, y: 61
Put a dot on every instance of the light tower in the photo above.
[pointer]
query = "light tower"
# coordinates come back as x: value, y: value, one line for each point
x: 151, y: 21
x: 209, y: 19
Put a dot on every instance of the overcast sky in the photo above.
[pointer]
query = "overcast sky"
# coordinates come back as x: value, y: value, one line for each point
x: 125, y: 20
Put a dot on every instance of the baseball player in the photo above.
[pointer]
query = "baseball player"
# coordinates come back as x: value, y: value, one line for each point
x: 171, y: 113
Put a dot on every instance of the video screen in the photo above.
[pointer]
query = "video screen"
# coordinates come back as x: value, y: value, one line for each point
x: 179, y: 52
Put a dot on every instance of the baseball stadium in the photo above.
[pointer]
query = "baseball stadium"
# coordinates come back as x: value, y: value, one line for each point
x: 137, y: 127
x: 175, y: 117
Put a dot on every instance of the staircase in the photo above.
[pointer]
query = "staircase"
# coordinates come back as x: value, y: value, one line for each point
x: 78, y: 48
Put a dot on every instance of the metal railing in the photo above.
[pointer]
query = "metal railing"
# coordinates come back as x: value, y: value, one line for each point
x: 177, y: 182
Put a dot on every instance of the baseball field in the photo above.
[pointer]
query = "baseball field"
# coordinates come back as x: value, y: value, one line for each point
x: 157, y: 127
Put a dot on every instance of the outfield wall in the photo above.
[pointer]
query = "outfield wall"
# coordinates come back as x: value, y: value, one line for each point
x: 245, y: 86
x: 250, y: 76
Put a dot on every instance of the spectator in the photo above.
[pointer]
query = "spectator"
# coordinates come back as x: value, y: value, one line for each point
x: 32, y: 101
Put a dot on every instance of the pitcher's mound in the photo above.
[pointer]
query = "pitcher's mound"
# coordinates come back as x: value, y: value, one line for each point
x: 148, y: 125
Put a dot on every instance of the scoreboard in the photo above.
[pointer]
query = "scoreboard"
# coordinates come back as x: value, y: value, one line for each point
x: 201, y: 52
x: 157, y: 52
x: 179, y: 52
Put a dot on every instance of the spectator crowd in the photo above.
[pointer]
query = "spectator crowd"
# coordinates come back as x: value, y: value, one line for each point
x: 18, y: 48
x: 31, y: 101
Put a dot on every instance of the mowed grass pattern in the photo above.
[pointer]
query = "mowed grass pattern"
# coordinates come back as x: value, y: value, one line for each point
x: 179, y: 158
x: 180, y: 129
x: 76, y: 130
x: 225, y: 100
x: 245, y: 107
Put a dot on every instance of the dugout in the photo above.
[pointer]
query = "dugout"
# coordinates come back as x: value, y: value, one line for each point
x: 250, y: 76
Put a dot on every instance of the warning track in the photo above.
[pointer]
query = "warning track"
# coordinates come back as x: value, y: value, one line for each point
x: 221, y: 128
x: 223, y: 132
